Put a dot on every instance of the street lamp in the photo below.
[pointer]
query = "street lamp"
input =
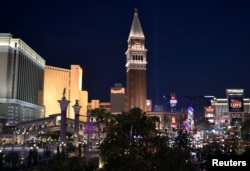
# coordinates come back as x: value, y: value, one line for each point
x: 61, y: 149
x: 1, y: 157
x: 33, y: 155
x: 40, y: 138
x: 16, y: 132
x: 239, y: 136
x: 4, y: 140
x: 229, y: 127
x: 24, y: 137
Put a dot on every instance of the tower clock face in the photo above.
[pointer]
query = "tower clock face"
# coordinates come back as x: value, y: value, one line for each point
x: 137, y: 44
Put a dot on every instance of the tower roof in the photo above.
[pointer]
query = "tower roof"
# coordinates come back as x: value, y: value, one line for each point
x: 136, y: 29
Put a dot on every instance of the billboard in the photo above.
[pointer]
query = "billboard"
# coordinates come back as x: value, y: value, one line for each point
x: 236, y: 104
x: 209, y: 109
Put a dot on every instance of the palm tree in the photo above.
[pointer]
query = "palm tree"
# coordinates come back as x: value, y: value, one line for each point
x: 108, y: 119
x: 99, y: 114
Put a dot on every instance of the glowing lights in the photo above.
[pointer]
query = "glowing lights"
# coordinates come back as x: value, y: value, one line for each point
x: 118, y: 91
x: 235, y: 91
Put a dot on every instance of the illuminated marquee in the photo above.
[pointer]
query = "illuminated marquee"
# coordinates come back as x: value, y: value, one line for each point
x: 235, y: 91
x: 173, y: 100
x: 118, y: 91
x: 236, y: 104
x: 209, y: 109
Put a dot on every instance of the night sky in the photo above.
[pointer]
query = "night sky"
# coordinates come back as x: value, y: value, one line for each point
x: 195, y: 48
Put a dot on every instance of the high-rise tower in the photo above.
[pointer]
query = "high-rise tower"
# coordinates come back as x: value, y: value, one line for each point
x: 136, y: 61
x: 21, y: 80
x: 71, y: 80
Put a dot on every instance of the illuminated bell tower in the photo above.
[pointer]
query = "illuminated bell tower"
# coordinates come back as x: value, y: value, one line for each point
x: 136, y: 61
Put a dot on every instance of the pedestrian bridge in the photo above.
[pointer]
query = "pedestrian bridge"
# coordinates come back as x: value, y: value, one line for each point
x: 32, y: 129
x: 51, y: 123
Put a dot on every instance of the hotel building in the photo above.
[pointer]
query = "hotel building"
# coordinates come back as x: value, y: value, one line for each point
x: 117, y: 98
x: 21, y: 85
x: 55, y: 81
x: 233, y: 110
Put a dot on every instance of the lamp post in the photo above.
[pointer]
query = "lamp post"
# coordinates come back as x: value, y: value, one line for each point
x: 1, y: 158
x: 61, y: 149
x: 40, y: 139
x: 3, y: 141
x: 229, y: 131
x: 24, y: 137
x: 16, y: 132
x: 33, y: 155
x: 239, y: 136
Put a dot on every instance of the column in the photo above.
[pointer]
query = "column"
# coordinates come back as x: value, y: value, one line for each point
x: 64, y: 105
x: 76, y: 108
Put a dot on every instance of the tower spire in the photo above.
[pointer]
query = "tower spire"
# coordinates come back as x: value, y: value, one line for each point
x: 136, y: 29
x: 136, y: 10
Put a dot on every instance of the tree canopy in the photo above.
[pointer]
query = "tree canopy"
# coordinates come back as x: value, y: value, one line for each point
x: 133, y: 143
x: 246, y: 126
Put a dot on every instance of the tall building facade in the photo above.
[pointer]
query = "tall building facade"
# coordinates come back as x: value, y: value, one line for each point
x: 117, y: 98
x: 136, y: 61
x: 95, y: 103
x: 233, y: 110
x: 21, y: 80
x: 55, y: 81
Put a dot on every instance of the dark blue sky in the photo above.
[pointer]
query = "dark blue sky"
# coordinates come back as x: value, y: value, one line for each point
x: 195, y: 48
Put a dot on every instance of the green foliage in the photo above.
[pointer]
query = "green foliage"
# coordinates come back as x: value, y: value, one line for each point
x: 246, y: 126
x: 204, y: 124
x: 247, y: 151
x: 182, y: 139
x: 133, y: 143
x: 98, y: 113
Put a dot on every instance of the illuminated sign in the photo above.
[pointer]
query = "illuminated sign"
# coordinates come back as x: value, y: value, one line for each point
x: 211, y: 120
x: 118, y: 91
x: 149, y: 105
x: 190, y: 110
x: 148, y: 102
x: 209, y: 115
x: 235, y: 91
x: 209, y: 109
x: 236, y: 104
x: 173, y: 101
x: 173, y: 122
